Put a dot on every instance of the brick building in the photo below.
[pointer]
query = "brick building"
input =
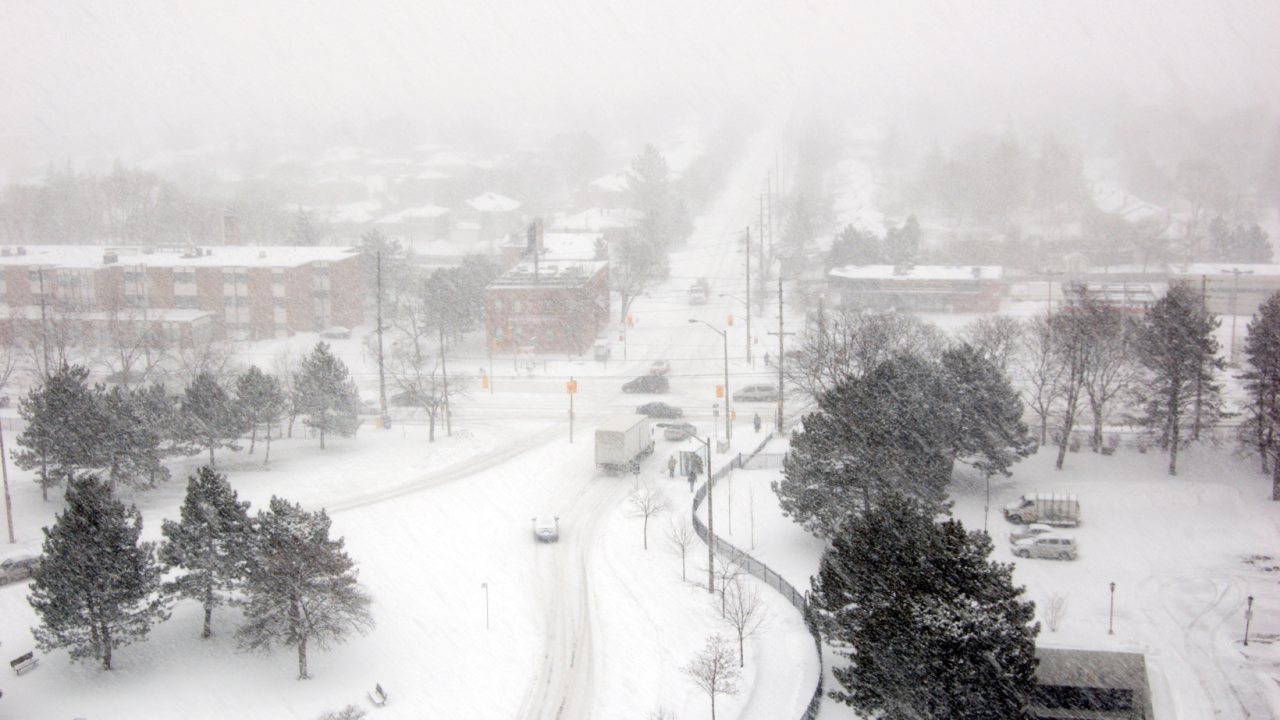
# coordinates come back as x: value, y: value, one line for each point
x: 247, y: 292
x: 557, y: 308
x: 918, y: 288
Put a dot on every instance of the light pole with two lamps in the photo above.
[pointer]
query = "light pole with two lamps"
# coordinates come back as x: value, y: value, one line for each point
x: 728, y: 412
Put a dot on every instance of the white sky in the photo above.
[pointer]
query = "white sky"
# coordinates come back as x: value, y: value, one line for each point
x: 107, y: 65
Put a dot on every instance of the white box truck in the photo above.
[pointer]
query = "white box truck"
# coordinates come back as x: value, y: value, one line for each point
x: 1060, y: 509
x: 620, y: 443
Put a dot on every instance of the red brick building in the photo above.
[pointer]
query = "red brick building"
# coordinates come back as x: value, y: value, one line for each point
x: 248, y: 292
x: 558, y: 308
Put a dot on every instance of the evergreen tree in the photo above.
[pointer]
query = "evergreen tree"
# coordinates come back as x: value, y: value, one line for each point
x: 856, y: 247
x: 98, y: 588
x: 210, y: 418
x: 991, y: 434
x: 134, y: 443
x: 930, y: 626
x: 326, y: 395
x: 65, y: 430
x: 1177, y: 348
x: 301, y: 587
x: 1262, y: 382
x: 892, y: 429
x: 212, y: 542
x: 261, y: 402
x: 902, y: 245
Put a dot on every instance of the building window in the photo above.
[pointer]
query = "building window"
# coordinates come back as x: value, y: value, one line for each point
x: 321, y: 269
x: 184, y: 277
x: 515, y: 306
x: 497, y: 305
x: 185, y: 302
x: 321, y: 294
x: 277, y: 278
x: 242, y: 301
x: 278, y: 302
x: 229, y: 301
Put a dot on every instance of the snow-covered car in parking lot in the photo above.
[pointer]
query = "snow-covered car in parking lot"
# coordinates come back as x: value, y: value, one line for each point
x: 18, y: 568
x: 1052, y: 546
x: 660, y: 367
x: 1030, y: 531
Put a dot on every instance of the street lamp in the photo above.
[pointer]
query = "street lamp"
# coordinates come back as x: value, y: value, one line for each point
x: 728, y: 413
x: 1111, y: 616
x: 711, y: 526
x: 747, y: 314
x: 1248, y: 616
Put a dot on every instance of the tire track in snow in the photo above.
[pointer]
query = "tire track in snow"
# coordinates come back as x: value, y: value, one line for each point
x: 563, y: 686
x: 457, y: 471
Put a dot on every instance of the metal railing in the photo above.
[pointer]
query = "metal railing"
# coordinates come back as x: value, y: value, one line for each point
x: 766, y: 574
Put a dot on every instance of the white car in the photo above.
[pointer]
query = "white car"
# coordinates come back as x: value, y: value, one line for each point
x: 756, y: 393
x: 546, y: 528
x: 1051, y: 545
x: 660, y: 367
x: 1030, y: 531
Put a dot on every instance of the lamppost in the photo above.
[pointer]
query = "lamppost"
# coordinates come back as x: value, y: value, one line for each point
x: 1235, y: 292
x: 728, y: 413
x: 711, y: 527
x: 747, y: 311
x: 1111, y: 615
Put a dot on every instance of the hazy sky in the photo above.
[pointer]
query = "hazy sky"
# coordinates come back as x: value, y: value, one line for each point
x: 113, y: 66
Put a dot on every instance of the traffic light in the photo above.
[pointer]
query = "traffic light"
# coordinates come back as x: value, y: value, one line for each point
x: 630, y: 322
x: 571, y: 387
x: 484, y: 382
x: 730, y: 321
x: 720, y: 391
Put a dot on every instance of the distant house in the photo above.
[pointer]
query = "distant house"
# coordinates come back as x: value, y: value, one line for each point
x: 610, y: 192
x: 553, y: 300
x: 917, y: 288
x: 494, y: 214
x: 418, y: 224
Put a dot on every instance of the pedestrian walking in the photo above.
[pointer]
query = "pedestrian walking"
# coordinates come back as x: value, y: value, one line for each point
x: 693, y: 478
x: 671, y: 464
x: 756, y: 422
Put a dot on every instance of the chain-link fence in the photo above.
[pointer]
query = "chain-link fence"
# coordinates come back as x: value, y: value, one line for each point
x: 758, y: 569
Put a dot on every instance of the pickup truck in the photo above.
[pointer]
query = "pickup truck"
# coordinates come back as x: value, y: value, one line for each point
x: 1058, y: 509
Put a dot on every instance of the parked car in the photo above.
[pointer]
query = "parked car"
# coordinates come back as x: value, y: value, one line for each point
x: 647, y: 384
x: 660, y: 367
x: 756, y: 393
x: 18, y: 568
x: 1032, y: 530
x: 659, y: 410
x: 1055, y: 546
x: 678, y: 432
x: 546, y: 528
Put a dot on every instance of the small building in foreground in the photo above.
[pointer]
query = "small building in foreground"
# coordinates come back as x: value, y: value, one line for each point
x: 1092, y: 685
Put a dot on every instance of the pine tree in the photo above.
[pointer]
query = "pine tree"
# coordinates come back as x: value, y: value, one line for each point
x: 1177, y: 348
x: 991, y: 434
x: 212, y: 542
x: 325, y: 394
x: 261, y: 401
x: 301, y: 587
x: 930, y: 626
x: 210, y: 418
x: 65, y: 430
x: 132, y: 450
x: 98, y: 588
x: 1262, y: 382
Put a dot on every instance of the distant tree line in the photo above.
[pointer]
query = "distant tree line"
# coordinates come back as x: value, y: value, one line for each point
x: 99, y: 588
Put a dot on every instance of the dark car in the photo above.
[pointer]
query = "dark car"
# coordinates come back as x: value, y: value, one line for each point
x: 659, y: 410
x: 678, y: 432
x: 647, y: 384
x: 19, y: 568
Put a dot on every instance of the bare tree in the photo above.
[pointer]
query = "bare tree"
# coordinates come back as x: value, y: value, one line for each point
x: 713, y: 671
x: 727, y: 573
x: 10, y: 358
x: 744, y: 612
x: 135, y: 344
x: 682, y: 537
x: 636, y: 262
x: 409, y: 359
x: 1070, y: 345
x: 217, y: 358
x: 847, y: 343
x: 647, y: 502
x: 1055, y: 611
x: 1040, y: 373
x: 49, y: 338
x: 285, y: 367
x: 1110, y: 370
x: 998, y: 338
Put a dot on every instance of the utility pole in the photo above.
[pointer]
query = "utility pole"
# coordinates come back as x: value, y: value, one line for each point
x: 444, y: 373
x: 8, y: 507
x: 781, y: 351
x: 748, y: 303
x: 382, y: 375
x: 1235, y: 291
x: 711, y: 524
x: 44, y: 326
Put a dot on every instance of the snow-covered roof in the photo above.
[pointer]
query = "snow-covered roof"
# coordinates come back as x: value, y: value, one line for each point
x: 258, y: 256
x: 432, y: 175
x: 494, y: 203
x: 919, y: 272
x: 616, y: 182
x: 550, y: 273
x: 454, y: 158
x: 597, y: 219
x: 427, y: 211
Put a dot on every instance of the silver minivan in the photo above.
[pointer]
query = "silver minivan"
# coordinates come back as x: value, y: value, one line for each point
x: 1054, y: 546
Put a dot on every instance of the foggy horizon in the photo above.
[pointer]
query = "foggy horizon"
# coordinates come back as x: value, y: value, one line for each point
x: 115, y: 78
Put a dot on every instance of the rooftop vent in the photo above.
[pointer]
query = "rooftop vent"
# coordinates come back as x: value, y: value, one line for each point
x: 108, y: 258
x: 6, y: 251
x: 22, y: 250
x: 901, y: 269
x: 262, y: 253
x: 977, y: 272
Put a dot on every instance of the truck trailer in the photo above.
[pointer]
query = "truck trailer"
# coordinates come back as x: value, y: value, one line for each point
x: 1061, y: 509
x: 621, y: 442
